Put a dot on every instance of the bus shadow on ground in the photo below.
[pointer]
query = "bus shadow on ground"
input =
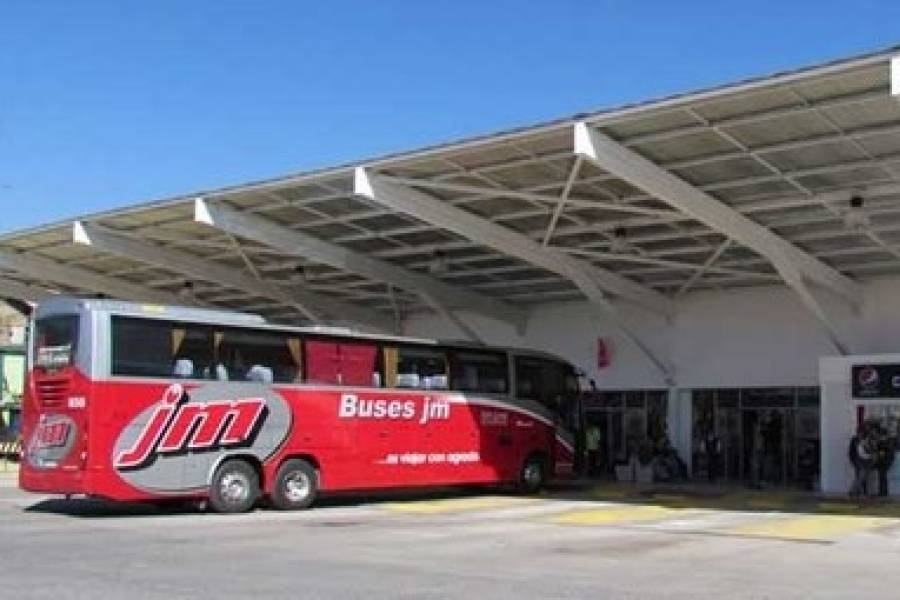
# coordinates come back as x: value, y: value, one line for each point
x: 726, y: 498
x: 96, y: 508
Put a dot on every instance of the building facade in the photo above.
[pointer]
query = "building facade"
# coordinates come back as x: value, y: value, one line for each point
x: 743, y: 359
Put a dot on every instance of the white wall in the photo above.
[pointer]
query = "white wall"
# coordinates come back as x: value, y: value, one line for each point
x: 746, y: 337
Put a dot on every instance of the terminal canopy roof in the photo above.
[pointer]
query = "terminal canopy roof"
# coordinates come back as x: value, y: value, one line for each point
x: 788, y: 179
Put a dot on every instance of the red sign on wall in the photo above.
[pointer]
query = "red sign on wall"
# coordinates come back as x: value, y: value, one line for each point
x: 603, y: 353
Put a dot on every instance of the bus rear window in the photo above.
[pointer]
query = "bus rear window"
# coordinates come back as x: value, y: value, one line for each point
x: 55, y: 341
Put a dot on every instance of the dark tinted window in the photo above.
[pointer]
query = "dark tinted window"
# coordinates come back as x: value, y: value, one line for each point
x: 485, y: 372
x: 540, y: 379
x: 248, y: 355
x: 411, y: 367
x: 154, y: 348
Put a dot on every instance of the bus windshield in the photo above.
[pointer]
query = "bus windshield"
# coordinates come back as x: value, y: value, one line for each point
x: 55, y: 341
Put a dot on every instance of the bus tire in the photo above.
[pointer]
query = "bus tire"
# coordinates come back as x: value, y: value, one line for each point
x: 533, y: 475
x: 234, y: 487
x: 296, y: 485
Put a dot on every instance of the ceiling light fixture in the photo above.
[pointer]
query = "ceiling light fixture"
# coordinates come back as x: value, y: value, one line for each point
x: 855, y: 217
x: 619, y: 243
x: 301, y: 275
x: 438, y: 263
x: 187, y: 290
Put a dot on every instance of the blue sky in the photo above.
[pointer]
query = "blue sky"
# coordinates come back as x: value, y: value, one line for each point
x: 110, y: 103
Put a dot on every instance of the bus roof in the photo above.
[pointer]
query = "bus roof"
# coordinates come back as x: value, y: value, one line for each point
x: 228, y: 318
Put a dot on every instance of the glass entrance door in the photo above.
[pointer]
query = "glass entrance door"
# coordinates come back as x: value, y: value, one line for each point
x: 611, y: 447
x: 766, y: 436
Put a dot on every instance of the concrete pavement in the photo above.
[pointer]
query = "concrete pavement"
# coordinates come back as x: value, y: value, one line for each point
x: 562, y: 545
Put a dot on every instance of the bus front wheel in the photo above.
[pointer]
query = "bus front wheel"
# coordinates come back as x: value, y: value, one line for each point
x: 234, y: 487
x: 533, y: 475
x: 296, y: 485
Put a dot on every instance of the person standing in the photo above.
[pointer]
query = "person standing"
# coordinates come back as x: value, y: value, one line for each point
x: 861, y: 460
x: 713, y: 448
x: 756, y: 456
x: 592, y: 442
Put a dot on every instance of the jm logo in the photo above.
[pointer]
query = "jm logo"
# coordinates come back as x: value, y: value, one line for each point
x: 178, y: 425
x: 51, y: 433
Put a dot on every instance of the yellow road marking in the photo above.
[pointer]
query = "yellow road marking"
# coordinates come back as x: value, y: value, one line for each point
x: 811, y: 527
x: 614, y: 515
x: 837, y: 507
x: 611, y: 493
x: 456, y: 505
x: 766, y: 503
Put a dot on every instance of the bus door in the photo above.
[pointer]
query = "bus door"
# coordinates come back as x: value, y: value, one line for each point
x: 552, y: 388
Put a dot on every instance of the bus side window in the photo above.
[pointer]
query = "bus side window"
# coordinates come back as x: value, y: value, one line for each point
x: 543, y: 380
x: 156, y: 348
x: 411, y: 367
x: 194, y: 349
x: 142, y: 347
x: 262, y: 356
x: 528, y: 378
x: 323, y: 362
x: 342, y: 363
x: 358, y: 364
x: 485, y: 372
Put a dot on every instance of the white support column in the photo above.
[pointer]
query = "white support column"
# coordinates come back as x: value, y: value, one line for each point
x: 592, y: 282
x: 45, y: 269
x: 173, y: 260
x: 679, y: 419
x: 297, y: 243
x: 630, y: 166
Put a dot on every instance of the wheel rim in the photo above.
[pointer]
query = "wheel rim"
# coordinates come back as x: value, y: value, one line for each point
x: 533, y: 474
x: 235, y: 488
x: 297, y: 486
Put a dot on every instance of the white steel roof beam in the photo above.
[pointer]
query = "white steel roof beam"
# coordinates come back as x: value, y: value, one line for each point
x: 441, y: 309
x: 644, y: 174
x: 173, y: 260
x: 431, y: 210
x: 24, y: 292
x: 45, y: 269
x: 591, y: 281
x: 895, y: 77
x: 795, y: 280
x: 296, y: 243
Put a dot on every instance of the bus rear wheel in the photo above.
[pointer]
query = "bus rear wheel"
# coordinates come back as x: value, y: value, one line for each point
x: 533, y: 475
x: 234, y: 487
x: 296, y: 485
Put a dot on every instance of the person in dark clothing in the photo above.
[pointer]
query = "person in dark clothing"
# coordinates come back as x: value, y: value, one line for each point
x: 861, y: 460
x: 713, y: 448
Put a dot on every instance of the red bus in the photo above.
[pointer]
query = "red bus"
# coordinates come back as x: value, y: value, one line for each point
x: 145, y: 403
